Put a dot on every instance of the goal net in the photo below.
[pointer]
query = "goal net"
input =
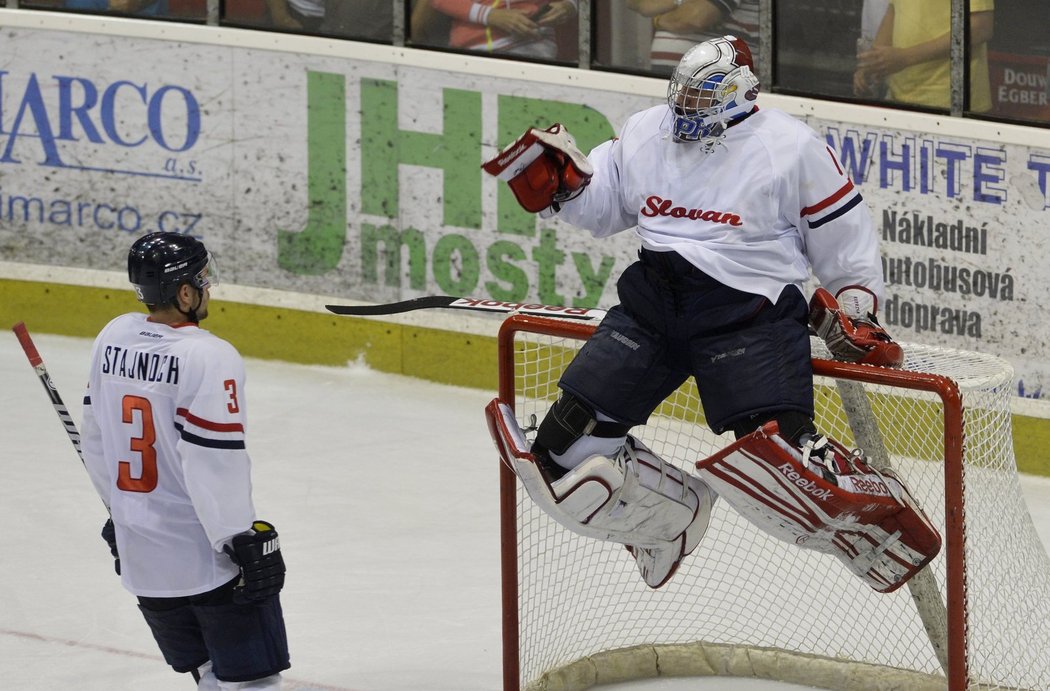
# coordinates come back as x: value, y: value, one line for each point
x: 577, y: 614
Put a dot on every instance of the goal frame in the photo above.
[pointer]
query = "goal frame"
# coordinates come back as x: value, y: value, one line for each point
x: 954, y: 539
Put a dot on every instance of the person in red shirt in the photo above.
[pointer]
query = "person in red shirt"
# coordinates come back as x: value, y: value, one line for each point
x: 514, y: 27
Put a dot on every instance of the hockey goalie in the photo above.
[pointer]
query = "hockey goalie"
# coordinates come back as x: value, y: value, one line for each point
x: 735, y: 208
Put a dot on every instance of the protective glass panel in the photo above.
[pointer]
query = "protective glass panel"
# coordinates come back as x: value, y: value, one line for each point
x: 545, y: 31
x: 187, y: 10
x: 1019, y: 61
x: 817, y: 42
x: 250, y: 13
x: 898, y: 51
x: 650, y: 36
x: 366, y: 20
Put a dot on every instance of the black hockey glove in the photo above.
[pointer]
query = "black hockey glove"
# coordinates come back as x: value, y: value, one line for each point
x: 109, y: 534
x: 258, y: 554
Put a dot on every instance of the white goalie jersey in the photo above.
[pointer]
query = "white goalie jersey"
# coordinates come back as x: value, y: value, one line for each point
x: 755, y: 213
x: 163, y: 441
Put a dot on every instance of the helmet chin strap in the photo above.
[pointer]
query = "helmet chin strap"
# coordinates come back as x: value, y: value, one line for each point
x: 191, y: 313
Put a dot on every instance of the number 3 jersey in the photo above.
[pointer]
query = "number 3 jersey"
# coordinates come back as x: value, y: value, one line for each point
x: 163, y: 441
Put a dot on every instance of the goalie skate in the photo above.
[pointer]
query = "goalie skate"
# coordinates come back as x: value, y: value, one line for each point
x: 636, y: 498
x: 823, y: 498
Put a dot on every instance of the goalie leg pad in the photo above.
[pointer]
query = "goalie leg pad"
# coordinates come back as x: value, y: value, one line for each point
x: 840, y: 506
x: 657, y: 565
x: 635, y: 498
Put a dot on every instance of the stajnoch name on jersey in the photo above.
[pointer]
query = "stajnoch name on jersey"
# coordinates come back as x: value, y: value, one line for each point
x: 134, y: 364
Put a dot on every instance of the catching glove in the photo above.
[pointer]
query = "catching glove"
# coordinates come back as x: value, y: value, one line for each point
x: 258, y: 554
x: 109, y: 534
x: 543, y: 168
x: 851, y: 332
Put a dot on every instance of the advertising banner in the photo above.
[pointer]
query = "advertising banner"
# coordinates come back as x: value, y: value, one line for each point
x: 361, y: 179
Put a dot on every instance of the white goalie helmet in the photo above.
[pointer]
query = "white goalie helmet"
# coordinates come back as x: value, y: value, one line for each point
x: 712, y: 86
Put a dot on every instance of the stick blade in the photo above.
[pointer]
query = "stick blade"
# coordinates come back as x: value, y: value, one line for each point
x: 462, y: 303
x: 427, y: 302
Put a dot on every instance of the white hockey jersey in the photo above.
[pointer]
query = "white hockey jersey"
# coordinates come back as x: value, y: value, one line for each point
x: 163, y: 440
x: 755, y: 213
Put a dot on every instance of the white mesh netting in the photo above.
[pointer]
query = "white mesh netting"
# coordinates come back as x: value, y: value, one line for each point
x: 746, y: 604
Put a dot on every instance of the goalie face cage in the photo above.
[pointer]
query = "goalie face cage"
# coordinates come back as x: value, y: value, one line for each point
x: 577, y: 614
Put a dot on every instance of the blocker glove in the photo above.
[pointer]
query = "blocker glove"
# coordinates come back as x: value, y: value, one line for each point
x: 851, y: 331
x: 258, y: 554
x: 109, y: 534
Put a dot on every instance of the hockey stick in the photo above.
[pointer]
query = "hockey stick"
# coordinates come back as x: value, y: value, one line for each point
x: 459, y: 303
x: 925, y: 592
x: 37, y: 363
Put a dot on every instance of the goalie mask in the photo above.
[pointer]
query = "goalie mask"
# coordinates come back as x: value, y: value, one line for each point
x: 712, y: 86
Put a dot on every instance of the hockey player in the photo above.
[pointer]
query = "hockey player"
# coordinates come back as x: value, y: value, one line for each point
x: 163, y: 441
x: 733, y: 206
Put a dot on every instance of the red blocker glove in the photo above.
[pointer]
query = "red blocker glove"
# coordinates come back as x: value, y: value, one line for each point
x: 542, y: 167
x: 853, y: 339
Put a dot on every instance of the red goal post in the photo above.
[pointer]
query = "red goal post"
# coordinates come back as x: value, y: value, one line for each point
x: 576, y: 614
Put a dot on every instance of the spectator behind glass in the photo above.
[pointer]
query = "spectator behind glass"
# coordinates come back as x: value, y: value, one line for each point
x: 142, y: 8
x: 296, y: 15
x: 678, y: 25
x: 872, y: 14
x: 912, y: 54
x: 513, y: 27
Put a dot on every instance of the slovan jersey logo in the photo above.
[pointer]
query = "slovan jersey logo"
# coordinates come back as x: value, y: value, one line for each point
x: 658, y: 206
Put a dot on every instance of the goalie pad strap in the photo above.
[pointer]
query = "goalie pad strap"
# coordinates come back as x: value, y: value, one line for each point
x: 867, y: 519
x: 568, y: 420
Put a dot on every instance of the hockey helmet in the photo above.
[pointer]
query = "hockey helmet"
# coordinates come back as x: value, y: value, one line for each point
x: 713, y: 85
x: 159, y: 263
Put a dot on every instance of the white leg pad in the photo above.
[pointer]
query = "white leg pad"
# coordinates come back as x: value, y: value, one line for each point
x: 866, y: 518
x: 657, y: 565
x: 635, y: 498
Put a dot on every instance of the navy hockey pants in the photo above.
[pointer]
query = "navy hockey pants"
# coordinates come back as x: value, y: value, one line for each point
x: 750, y: 358
x: 243, y: 641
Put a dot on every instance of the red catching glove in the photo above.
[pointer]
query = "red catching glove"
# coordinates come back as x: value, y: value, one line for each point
x: 857, y: 338
x: 542, y: 167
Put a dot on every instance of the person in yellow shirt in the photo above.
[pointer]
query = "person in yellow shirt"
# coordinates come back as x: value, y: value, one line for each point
x: 911, y: 54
